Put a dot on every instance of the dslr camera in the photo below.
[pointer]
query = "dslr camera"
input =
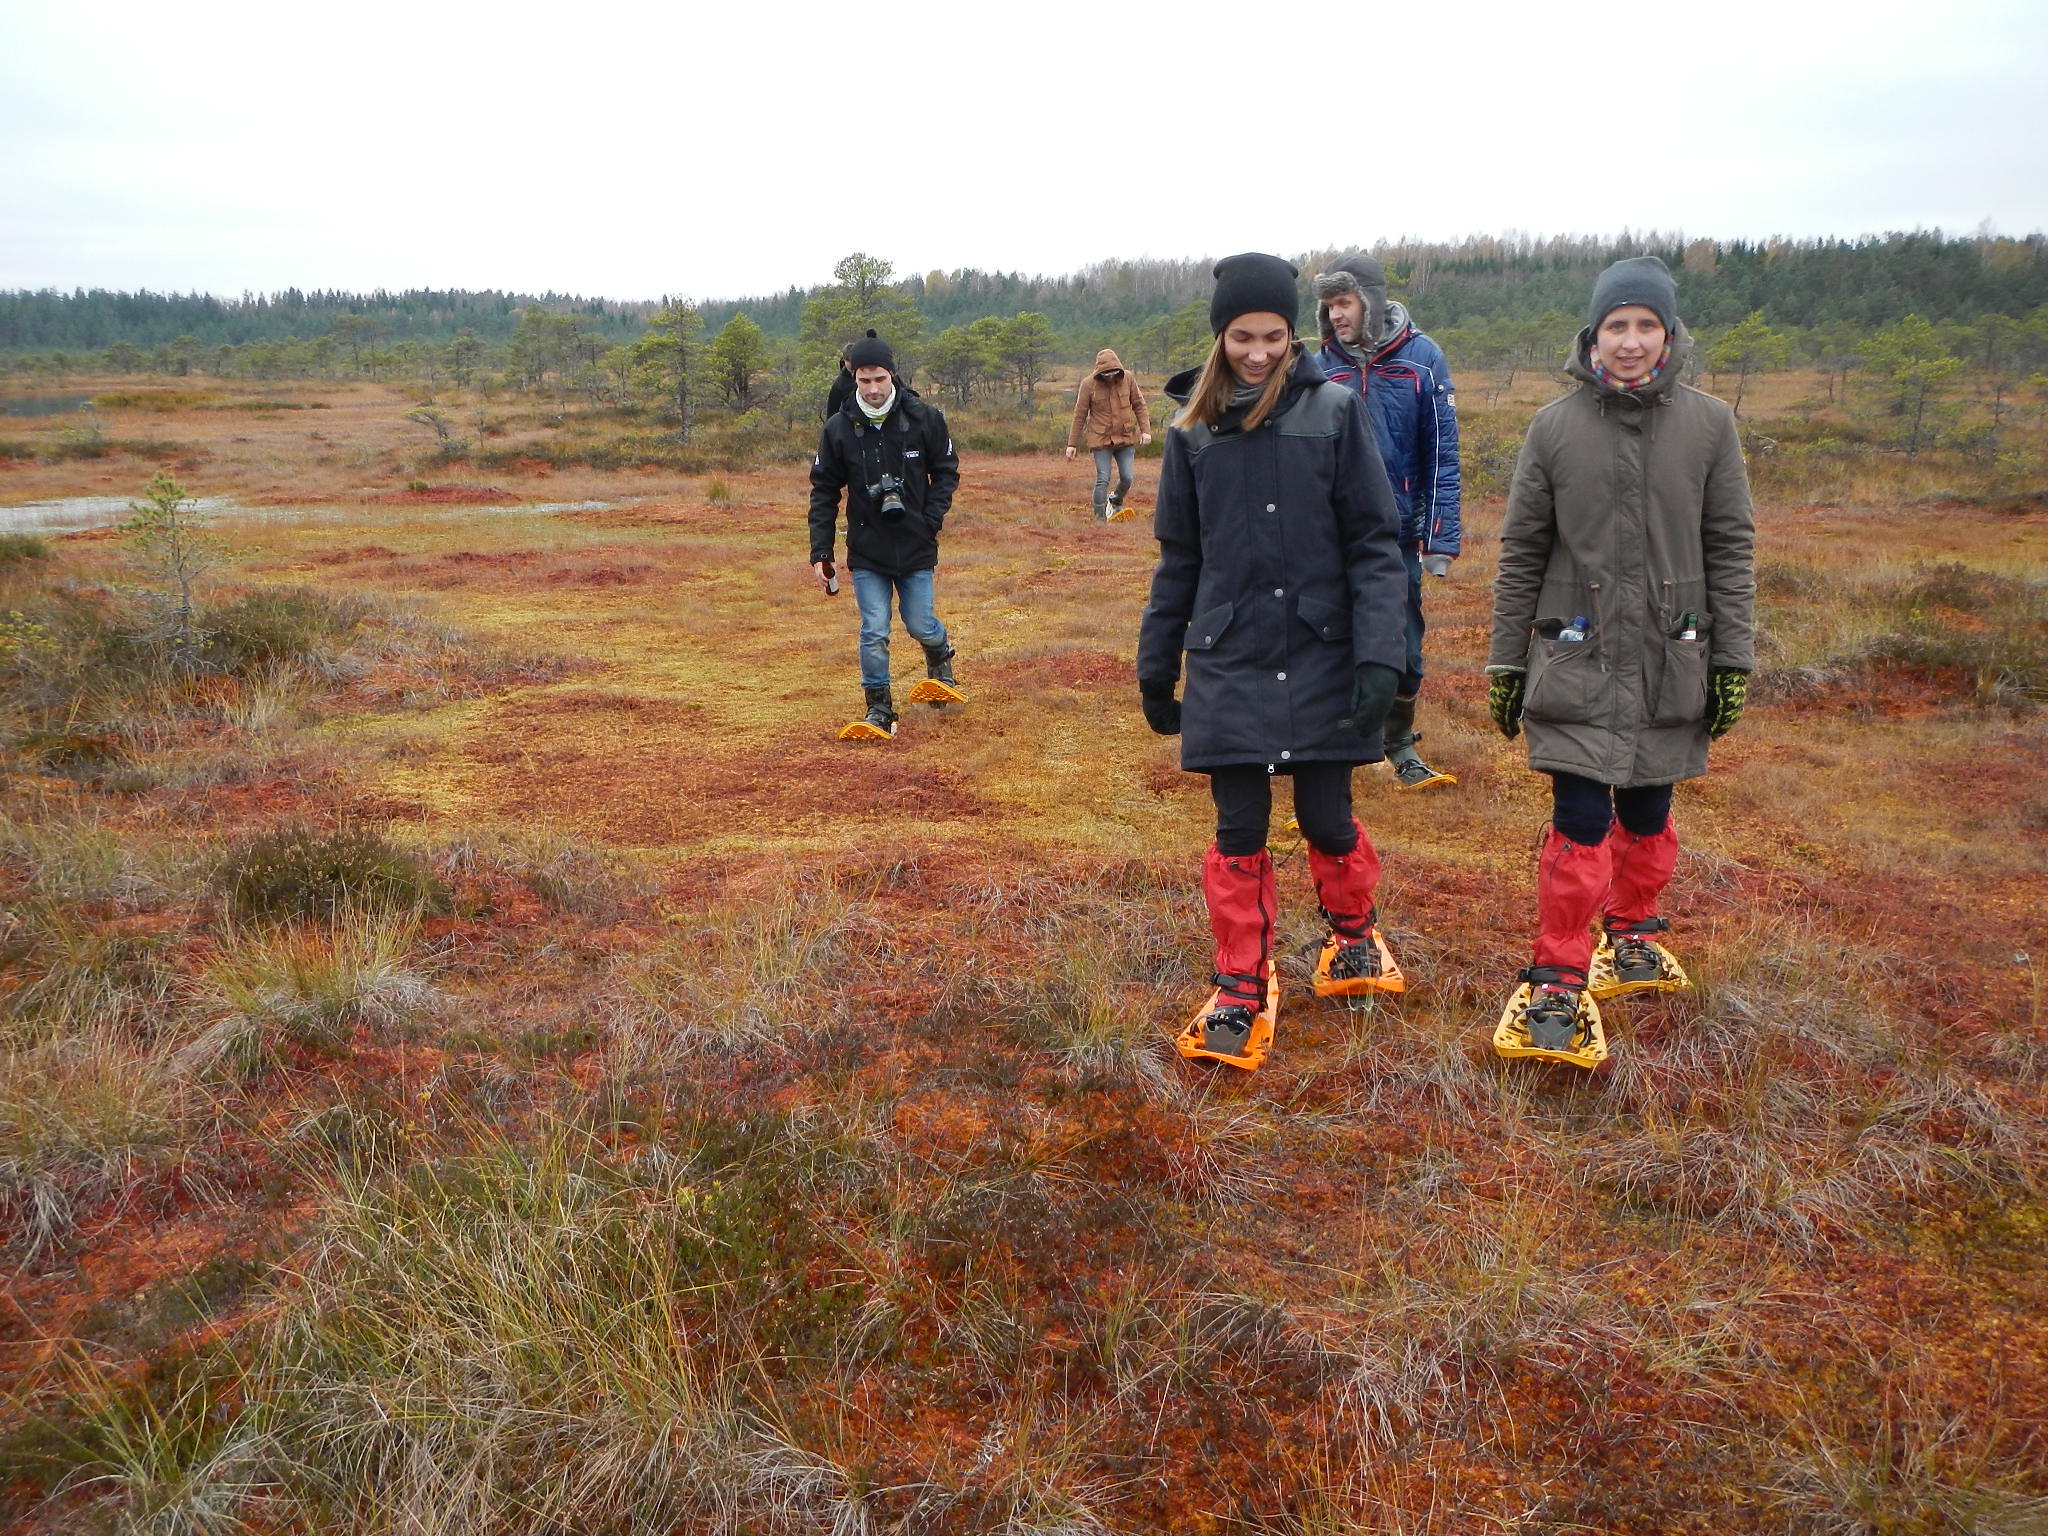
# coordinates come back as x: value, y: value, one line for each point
x: 887, y: 494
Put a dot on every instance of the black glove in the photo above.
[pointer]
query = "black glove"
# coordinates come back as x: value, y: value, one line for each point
x: 1372, y: 695
x: 1162, y: 710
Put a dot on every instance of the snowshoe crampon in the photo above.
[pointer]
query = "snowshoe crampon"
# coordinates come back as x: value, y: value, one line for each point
x: 1627, y: 961
x: 1357, y: 967
x: 1565, y: 1026
x: 1226, y: 1029
x: 931, y: 691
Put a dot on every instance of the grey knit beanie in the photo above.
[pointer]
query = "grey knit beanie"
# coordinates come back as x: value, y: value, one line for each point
x: 1640, y: 280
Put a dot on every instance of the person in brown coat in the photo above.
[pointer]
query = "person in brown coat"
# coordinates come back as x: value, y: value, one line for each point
x: 1623, y: 638
x: 1111, y: 416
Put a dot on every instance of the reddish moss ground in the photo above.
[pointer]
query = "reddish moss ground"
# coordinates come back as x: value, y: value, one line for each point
x: 696, y: 733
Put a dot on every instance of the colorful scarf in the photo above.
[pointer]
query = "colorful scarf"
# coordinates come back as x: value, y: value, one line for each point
x: 1600, y: 373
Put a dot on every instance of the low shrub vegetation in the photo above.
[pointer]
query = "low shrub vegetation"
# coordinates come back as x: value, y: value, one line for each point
x: 300, y: 871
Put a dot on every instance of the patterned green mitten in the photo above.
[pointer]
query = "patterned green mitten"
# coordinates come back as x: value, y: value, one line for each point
x: 1729, y: 694
x: 1504, y: 692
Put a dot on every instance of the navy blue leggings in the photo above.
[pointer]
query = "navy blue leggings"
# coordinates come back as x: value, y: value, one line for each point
x: 1583, y: 810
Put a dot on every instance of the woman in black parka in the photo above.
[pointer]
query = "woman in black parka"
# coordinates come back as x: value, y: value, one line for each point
x: 1280, y: 577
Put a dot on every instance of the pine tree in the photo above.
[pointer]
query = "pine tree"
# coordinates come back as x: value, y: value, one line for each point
x: 1914, y: 365
x: 1750, y: 346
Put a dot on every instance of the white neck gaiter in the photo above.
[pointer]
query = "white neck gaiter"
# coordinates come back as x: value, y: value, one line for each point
x: 877, y: 413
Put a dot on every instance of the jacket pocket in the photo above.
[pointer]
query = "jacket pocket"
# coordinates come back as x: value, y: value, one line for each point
x: 1564, y: 682
x: 1682, y: 690
x: 1205, y: 629
x: 1328, y: 620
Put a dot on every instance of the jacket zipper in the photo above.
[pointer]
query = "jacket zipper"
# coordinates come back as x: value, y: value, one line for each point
x: 1599, y: 628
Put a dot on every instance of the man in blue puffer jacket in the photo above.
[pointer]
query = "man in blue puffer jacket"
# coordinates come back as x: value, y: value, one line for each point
x: 1371, y: 346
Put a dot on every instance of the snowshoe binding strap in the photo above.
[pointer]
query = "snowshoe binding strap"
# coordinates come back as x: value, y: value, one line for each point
x: 1351, y: 929
x: 1358, y: 960
x: 1630, y: 960
x: 1248, y: 990
x: 1225, y: 1030
x: 1636, y: 959
x: 1553, y: 1017
x: 1644, y: 928
x: 1355, y: 960
x: 1235, y: 1024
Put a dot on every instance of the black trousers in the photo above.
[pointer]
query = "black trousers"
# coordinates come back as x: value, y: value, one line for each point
x: 1244, y: 806
x: 1583, y: 809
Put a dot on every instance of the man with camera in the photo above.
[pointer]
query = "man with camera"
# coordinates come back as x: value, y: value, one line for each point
x: 893, y: 456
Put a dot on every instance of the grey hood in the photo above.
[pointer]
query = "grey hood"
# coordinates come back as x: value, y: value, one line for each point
x: 1390, y: 332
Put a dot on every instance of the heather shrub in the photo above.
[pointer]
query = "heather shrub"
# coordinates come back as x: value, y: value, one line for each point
x: 301, y: 871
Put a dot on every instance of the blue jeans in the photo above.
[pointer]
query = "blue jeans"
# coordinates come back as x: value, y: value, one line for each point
x: 913, y: 593
x: 1411, y: 680
x: 1125, y: 459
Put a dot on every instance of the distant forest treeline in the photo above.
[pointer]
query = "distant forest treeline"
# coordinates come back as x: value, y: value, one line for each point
x: 1872, y: 281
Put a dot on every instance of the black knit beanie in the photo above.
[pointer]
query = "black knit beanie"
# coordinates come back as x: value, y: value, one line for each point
x: 1253, y: 284
x: 1640, y: 280
x: 870, y: 352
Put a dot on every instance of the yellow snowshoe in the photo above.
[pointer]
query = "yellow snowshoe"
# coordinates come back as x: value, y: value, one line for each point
x: 879, y: 724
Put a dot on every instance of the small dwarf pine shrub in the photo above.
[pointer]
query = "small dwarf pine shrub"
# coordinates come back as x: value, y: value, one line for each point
x: 21, y: 548
x: 300, y: 871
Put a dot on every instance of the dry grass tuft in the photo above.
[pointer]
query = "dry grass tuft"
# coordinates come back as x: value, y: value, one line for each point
x: 79, y: 1115
x: 268, y: 989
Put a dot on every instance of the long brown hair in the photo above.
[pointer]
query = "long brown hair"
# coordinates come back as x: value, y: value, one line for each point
x: 1210, y: 397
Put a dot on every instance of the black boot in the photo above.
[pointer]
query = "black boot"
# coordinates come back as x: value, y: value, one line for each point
x: 1399, y: 731
x: 938, y: 664
x: 881, y: 709
x: 1400, y: 737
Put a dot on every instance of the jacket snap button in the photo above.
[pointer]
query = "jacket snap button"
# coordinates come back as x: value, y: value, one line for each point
x: 1286, y: 754
x: 1282, y: 676
x: 1279, y: 591
x: 1208, y: 639
x: 1271, y: 508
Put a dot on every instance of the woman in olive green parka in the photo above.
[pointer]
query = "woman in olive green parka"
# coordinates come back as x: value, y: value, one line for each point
x: 1623, y: 633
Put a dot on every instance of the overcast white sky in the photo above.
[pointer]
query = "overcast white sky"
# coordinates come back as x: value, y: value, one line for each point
x: 738, y: 148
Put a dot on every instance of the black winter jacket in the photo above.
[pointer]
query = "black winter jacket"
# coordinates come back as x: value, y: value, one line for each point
x: 1279, y: 571
x: 912, y: 444
x: 835, y: 397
